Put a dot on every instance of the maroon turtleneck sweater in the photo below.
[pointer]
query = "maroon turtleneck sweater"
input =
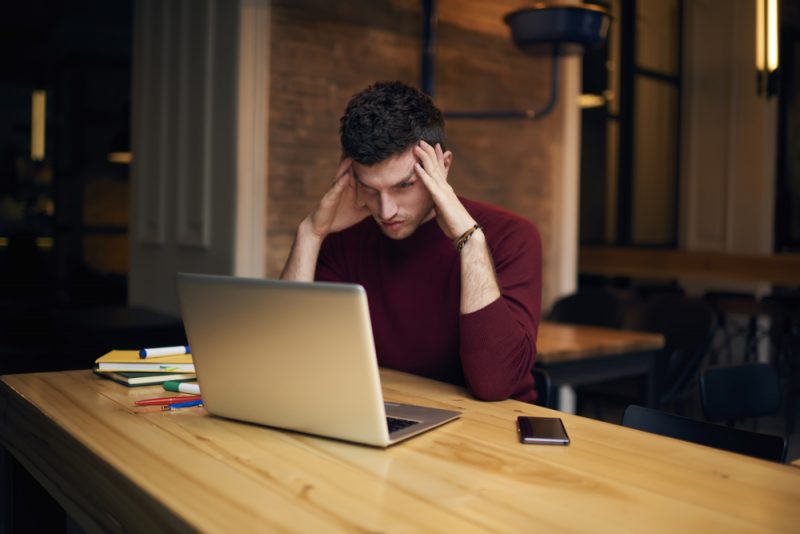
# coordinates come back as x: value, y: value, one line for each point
x: 413, y: 287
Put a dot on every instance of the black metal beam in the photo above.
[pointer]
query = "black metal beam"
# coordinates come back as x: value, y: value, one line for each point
x: 626, y: 130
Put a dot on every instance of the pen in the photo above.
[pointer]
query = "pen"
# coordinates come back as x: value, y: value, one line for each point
x: 166, y: 400
x: 164, y: 351
x: 189, y: 404
x: 173, y: 385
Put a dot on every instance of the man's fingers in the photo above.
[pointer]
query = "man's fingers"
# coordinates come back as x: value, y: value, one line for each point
x: 427, y: 159
x: 344, y: 168
x: 426, y: 150
x: 421, y: 172
x: 439, y: 154
x: 334, y: 194
x: 344, y: 177
x: 426, y: 178
x: 344, y: 165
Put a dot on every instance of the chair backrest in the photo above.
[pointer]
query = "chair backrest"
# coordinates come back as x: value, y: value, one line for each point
x: 647, y: 291
x: 594, y: 307
x: 784, y: 311
x: 755, y: 444
x: 739, y: 391
x: 544, y: 388
x: 687, y: 326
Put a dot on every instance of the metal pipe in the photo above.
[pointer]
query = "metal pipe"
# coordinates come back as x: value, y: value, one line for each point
x: 427, y: 75
x: 428, y: 47
x: 529, y: 114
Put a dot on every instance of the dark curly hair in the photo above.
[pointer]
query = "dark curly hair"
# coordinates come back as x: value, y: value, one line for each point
x: 385, y: 119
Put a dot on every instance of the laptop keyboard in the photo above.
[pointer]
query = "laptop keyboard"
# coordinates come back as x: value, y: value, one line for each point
x: 396, y: 424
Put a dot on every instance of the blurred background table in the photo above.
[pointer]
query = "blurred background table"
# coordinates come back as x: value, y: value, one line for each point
x: 576, y: 354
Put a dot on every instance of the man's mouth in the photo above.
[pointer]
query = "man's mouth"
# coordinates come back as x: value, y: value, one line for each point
x: 392, y: 225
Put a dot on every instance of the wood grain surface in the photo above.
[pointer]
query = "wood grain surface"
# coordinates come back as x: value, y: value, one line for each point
x: 118, y: 467
x: 781, y: 269
x: 558, y: 342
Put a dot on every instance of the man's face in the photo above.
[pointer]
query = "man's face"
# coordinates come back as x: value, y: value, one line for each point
x: 395, y: 196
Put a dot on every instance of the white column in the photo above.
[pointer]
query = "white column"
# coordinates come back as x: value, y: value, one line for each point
x: 199, y: 117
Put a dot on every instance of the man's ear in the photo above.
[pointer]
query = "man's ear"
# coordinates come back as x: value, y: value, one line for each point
x: 448, y: 160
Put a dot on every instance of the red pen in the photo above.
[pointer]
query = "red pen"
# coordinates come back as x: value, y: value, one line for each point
x: 166, y: 400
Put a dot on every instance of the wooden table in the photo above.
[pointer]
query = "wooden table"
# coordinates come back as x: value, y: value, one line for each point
x: 117, y: 467
x: 778, y: 269
x: 575, y: 354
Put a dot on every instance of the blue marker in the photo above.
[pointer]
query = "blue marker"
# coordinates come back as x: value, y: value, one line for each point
x: 164, y: 351
x: 188, y: 404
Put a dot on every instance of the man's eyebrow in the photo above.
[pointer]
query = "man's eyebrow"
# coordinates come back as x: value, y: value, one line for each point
x: 399, y: 182
x: 407, y: 178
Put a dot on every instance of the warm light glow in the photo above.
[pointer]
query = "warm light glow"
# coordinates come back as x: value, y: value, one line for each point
x: 38, y: 115
x: 588, y: 100
x: 760, y: 35
x: 44, y: 242
x: 772, y: 35
x: 3, y: 242
x: 120, y: 157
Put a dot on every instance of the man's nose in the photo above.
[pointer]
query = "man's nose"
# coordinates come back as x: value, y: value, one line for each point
x: 388, y: 208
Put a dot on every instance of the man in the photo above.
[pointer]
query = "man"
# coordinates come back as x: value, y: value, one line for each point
x: 454, y: 286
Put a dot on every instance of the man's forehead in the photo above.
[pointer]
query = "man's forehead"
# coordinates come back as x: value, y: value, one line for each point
x: 392, y: 171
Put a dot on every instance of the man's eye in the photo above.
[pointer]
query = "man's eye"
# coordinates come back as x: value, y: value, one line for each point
x: 405, y: 185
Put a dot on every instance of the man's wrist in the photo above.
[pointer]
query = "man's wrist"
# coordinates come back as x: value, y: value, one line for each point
x: 305, y: 231
x: 460, y: 241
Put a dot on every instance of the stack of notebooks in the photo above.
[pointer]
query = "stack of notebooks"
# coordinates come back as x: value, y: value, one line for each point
x: 127, y: 367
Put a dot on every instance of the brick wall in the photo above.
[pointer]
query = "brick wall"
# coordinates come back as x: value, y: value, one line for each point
x: 324, y: 51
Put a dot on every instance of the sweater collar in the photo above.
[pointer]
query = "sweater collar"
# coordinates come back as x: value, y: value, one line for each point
x: 427, y: 234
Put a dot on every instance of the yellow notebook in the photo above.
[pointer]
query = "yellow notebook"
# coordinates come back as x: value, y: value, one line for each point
x: 129, y: 360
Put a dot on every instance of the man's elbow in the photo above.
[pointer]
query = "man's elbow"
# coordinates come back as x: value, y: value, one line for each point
x: 504, y: 380
x: 491, y: 392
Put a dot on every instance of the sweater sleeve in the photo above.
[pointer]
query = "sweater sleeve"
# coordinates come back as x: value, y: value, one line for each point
x: 330, y: 263
x: 498, y: 342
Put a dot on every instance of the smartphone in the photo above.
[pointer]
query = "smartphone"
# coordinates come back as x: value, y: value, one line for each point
x: 542, y: 430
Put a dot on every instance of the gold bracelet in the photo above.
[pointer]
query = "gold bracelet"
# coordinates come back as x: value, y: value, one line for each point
x: 461, y: 241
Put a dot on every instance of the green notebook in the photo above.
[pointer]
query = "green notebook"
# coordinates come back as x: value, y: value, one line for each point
x: 144, y: 379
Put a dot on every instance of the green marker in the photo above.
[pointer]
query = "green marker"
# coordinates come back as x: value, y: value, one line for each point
x: 182, y: 387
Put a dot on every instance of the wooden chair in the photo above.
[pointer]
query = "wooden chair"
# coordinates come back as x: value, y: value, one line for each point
x: 764, y: 446
x: 739, y: 391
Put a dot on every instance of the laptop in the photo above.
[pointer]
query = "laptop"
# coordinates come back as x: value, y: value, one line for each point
x: 293, y: 355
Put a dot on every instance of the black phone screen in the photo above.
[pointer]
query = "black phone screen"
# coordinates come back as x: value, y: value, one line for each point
x: 542, y: 430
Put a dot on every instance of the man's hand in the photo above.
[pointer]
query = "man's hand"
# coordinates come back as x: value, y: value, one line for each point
x: 452, y: 216
x: 479, y: 286
x: 338, y: 208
